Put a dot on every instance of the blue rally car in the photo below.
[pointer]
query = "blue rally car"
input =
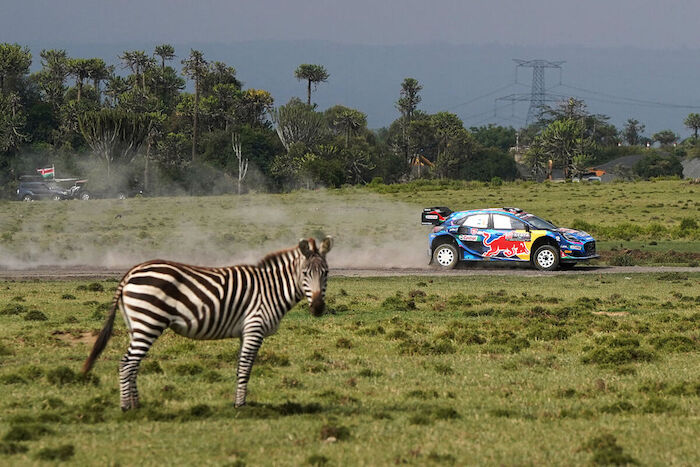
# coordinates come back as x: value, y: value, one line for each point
x: 503, y: 234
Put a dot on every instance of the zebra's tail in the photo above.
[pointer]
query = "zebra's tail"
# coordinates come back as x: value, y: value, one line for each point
x: 106, y: 331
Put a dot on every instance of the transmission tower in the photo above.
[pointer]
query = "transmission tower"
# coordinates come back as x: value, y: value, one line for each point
x: 538, y: 96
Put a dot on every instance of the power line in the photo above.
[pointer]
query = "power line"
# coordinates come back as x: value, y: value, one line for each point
x: 491, y: 93
x: 630, y: 100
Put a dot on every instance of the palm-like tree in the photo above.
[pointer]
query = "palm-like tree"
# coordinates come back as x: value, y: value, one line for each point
x: 80, y: 69
x: 692, y: 121
x: 137, y: 61
x: 195, y: 68
x: 350, y: 121
x: 116, y: 86
x: 166, y: 52
x: 98, y: 71
x: 311, y: 74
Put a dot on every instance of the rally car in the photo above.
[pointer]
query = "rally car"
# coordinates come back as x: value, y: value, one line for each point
x: 503, y: 234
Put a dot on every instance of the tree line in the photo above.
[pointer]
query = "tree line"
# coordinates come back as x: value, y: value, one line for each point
x: 136, y: 124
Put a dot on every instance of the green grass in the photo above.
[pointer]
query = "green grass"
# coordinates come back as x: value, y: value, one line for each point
x: 371, y: 222
x: 421, y: 370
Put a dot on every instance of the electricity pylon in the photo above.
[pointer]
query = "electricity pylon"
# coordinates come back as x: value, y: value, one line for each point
x: 538, y: 96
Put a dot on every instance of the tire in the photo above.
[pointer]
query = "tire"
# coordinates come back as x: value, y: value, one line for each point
x: 85, y: 196
x: 546, y: 258
x: 121, y: 195
x: 56, y: 198
x: 27, y: 198
x: 445, y: 256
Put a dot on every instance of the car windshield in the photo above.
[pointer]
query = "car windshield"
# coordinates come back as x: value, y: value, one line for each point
x: 538, y: 223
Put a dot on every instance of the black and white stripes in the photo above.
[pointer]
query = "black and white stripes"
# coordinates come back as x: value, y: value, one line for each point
x: 213, y: 303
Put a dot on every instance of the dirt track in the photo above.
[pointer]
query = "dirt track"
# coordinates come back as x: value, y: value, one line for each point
x: 91, y: 272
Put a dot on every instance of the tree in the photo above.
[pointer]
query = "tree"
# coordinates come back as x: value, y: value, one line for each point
x: 346, y: 121
x: 98, y: 71
x: 692, y: 121
x: 298, y: 123
x: 665, y: 137
x: 655, y: 165
x: 80, y: 69
x: 632, y: 132
x: 254, y: 106
x: 311, y: 74
x: 242, y: 162
x: 116, y: 86
x: 14, y: 64
x: 114, y: 135
x: 493, y: 136
x: 138, y: 62
x: 407, y: 104
x: 195, y: 68
x: 219, y: 73
x: 52, y: 77
x: 564, y: 143
x: 166, y: 52
x: 12, y: 121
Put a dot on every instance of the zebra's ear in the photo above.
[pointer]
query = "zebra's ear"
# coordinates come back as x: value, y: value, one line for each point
x: 326, y: 245
x: 304, y: 247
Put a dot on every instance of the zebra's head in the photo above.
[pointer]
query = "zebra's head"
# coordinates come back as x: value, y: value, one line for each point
x: 314, y: 273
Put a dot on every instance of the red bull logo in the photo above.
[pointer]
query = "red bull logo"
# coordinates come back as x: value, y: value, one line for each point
x: 500, y: 244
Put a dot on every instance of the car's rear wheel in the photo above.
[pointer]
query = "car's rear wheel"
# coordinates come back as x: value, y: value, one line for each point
x: 56, y: 198
x: 27, y: 198
x: 121, y: 195
x: 445, y: 256
x: 85, y: 196
x: 546, y: 258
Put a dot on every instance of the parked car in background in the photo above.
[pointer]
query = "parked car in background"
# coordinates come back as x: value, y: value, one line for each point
x: 35, y: 188
x: 503, y: 234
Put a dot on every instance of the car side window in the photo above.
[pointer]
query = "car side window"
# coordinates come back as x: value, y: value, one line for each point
x: 503, y: 222
x: 480, y: 221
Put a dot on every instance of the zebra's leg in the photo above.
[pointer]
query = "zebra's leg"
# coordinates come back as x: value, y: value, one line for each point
x: 141, y: 341
x: 250, y: 344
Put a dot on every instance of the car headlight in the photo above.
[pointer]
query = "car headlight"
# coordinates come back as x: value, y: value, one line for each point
x: 571, y: 238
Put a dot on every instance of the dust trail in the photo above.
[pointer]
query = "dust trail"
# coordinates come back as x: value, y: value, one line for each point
x: 369, y: 230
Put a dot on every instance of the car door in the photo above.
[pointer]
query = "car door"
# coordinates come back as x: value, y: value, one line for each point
x: 507, y: 238
x: 470, y: 234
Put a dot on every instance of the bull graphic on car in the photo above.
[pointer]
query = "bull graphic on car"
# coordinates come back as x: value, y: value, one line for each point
x: 503, y: 234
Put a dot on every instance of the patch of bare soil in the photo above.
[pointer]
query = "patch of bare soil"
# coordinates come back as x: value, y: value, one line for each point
x: 76, y: 337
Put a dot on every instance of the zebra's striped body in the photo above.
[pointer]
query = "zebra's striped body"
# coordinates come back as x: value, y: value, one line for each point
x: 213, y: 303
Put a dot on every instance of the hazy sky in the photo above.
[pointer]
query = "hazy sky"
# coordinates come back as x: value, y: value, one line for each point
x: 598, y: 23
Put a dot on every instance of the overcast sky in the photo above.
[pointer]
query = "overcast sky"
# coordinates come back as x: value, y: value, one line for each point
x: 597, y: 23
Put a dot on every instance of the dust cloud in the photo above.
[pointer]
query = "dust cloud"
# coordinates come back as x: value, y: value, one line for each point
x: 369, y: 230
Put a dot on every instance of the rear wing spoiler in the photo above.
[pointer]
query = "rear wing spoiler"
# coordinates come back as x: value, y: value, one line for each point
x: 434, y: 216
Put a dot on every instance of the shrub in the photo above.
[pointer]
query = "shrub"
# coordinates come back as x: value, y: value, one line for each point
x: 61, y: 453
x: 606, y: 451
x: 13, y: 309
x: 35, y: 315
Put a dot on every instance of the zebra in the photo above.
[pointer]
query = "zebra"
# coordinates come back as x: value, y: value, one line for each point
x: 245, y: 301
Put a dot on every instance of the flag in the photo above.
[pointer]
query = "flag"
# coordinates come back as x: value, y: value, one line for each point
x: 47, y: 172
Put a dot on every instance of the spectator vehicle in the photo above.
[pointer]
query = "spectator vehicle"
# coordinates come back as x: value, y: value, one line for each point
x: 503, y: 234
x: 32, y: 188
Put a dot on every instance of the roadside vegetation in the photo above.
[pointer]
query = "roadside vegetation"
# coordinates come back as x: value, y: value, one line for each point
x: 505, y: 370
x: 128, y: 123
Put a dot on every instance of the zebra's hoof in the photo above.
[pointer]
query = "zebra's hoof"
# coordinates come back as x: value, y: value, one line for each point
x: 237, y: 405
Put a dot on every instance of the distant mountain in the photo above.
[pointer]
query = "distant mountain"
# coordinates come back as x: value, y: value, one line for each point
x: 649, y: 85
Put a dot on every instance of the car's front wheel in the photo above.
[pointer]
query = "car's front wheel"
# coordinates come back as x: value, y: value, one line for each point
x: 546, y: 258
x: 27, y: 198
x: 445, y: 256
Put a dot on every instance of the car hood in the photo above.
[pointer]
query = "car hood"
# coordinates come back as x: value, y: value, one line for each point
x: 578, y: 235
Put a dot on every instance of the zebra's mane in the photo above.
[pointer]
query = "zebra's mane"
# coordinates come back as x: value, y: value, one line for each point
x: 272, y: 257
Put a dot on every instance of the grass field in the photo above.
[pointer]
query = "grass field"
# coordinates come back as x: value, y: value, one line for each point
x: 378, y: 224
x: 471, y: 370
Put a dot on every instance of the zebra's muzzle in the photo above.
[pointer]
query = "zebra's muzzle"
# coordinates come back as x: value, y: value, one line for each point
x: 318, y: 305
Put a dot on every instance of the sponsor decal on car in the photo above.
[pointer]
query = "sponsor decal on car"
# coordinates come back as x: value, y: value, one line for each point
x: 431, y: 216
x: 468, y: 238
x: 576, y: 247
x: 517, y: 236
x: 498, y: 244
